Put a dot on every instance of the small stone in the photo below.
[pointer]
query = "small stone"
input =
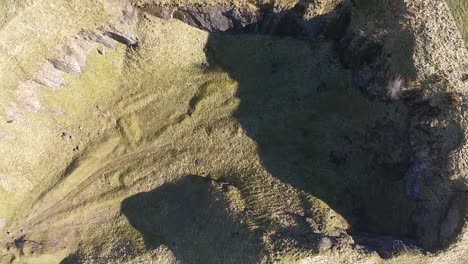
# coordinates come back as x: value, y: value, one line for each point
x: 198, y: 162
x: 102, y: 51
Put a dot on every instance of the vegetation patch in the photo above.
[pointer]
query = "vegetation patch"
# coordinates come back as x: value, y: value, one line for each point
x: 460, y: 12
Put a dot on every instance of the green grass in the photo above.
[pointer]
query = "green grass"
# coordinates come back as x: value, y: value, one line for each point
x: 269, y: 117
x: 32, y: 33
x: 460, y: 12
x: 9, y: 9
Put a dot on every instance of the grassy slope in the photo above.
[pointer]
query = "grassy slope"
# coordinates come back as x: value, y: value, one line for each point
x: 460, y: 12
x: 136, y: 134
x: 24, y: 45
x: 9, y: 9
x: 143, y: 137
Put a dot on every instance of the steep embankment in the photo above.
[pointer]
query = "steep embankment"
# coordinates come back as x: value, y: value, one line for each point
x: 229, y: 132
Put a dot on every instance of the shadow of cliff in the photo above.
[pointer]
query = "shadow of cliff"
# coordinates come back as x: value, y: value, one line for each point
x: 313, y: 96
x: 316, y: 132
x: 192, y: 219
x: 318, y: 110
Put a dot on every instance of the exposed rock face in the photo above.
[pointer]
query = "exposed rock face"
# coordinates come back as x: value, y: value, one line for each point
x: 71, y: 57
x: 257, y: 19
x: 209, y: 18
x: 99, y: 37
x: 49, y: 76
x: 122, y: 38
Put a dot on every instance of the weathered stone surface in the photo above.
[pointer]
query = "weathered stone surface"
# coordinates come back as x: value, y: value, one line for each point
x: 49, y: 76
x: 248, y: 18
x: 101, y: 38
x: 71, y: 57
x: 71, y: 66
x: 211, y: 18
x: 125, y: 38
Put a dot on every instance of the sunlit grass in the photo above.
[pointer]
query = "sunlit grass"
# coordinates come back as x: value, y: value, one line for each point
x: 460, y: 12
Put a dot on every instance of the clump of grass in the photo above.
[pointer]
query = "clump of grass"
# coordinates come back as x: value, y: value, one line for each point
x: 395, y: 87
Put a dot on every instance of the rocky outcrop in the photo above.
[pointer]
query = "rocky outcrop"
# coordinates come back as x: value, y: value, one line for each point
x: 250, y: 19
x: 49, y: 76
x: 70, y: 58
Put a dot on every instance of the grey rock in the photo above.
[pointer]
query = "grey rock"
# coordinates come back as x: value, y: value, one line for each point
x: 71, y: 67
x: 71, y: 58
x: 204, y: 18
x: 125, y: 38
x: 102, y: 51
x: 159, y: 11
x: 49, y: 76
x: 209, y: 18
x: 100, y: 38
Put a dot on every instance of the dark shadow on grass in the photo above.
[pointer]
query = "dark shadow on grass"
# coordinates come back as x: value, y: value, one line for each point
x: 191, y: 218
x: 316, y: 131
x: 318, y: 111
x: 72, y: 259
x: 313, y: 97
